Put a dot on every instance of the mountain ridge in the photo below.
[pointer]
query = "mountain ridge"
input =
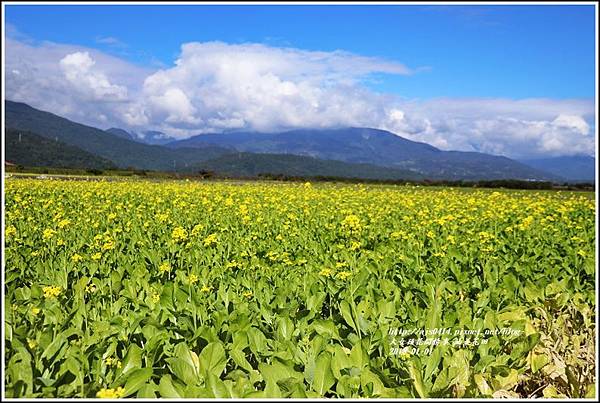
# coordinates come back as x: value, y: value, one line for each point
x: 349, y: 145
x: 372, y: 146
x: 574, y: 167
x: 121, y: 151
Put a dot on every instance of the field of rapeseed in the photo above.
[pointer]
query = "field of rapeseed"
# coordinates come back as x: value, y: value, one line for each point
x: 175, y: 289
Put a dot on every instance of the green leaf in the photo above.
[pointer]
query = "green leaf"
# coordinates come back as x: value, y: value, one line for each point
x: 239, y: 358
x: 323, y: 377
x: 132, y: 360
x: 54, y: 347
x: 346, y: 312
x: 167, y: 389
x: 216, y: 387
x: 358, y: 358
x: 339, y: 361
x: 538, y: 361
x: 183, y: 370
x: 370, y: 380
x: 482, y: 385
x: 325, y: 328
x: 147, y: 391
x: 285, y: 328
x: 212, y: 359
x: 256, y: 340
x: 417, y: 379
x: 136, y: 380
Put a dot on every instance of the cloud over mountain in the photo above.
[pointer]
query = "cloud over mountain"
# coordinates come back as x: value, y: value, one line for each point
x: 215, y: 86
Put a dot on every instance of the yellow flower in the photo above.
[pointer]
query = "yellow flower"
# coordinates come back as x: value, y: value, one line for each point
x: 404, y: 355
x: 63, y: 223
x: 90, y: 288
x: 179, y: 234
x: 112, y: 362
x: 325, y: 272
x: 110, y: 393
x: 52, y: 291
x: 76, y: 258
x: 31, y: 343
x: 210, y: 240
x: 232, y: 265
x: 196, y: 230
x: 48, y: 233
x: 164, y: 267
x: 155, y: 297
x: 10, y: 231
x: 205, y: 288
x: 344, y: 275
x: 97, y: 256
x: 193, y: 278
x: 35, y: 311
x: 247, y: 294
x: 351, y: 224
x: 108, y: 245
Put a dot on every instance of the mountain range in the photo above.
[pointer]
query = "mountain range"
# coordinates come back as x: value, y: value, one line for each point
x: 148, y: 137
x: 344, y: 152
x: 580, y: 168
x: 372, y: 146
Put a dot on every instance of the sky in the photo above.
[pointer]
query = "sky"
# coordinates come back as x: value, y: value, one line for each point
x: 512, y: 80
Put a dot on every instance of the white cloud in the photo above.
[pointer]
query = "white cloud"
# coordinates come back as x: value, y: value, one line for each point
x: 215, y: 86
x: 111, y: 41
x: 78, y: 69
x: 573, y: 122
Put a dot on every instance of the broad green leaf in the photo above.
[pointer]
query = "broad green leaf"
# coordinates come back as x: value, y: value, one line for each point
x: 323, y: 377
x: 212, y: 359
x: 166, y: 388
x: 136, y: 379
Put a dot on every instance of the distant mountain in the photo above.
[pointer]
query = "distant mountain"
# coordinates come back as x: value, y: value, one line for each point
x: 29, y: 149
x: 122, y: 133
x: 252, y: 165
x: 383, y: 154
x: 148, y: 137
x: 372, y: 146
x: 122, y: 151
x: 574, y: 168
x: 157, y: 138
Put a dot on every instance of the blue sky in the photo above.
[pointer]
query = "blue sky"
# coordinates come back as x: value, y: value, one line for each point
x: 513, y: 80
x: 490, y: 51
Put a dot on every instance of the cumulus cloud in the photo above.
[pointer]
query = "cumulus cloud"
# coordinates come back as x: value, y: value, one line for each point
x: 78, y: 69
x: 215, y: 86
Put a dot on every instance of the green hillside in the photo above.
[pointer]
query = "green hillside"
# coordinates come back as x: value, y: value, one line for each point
x: 123, y: 152
x: 30, y: 149
x: 252, y: 165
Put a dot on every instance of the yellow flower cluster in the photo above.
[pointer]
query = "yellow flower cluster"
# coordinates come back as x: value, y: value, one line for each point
x: 165, y: 267
x: 110, y: 393
x: 52, y: 291
x: 210, y: 240
x: 179, y: 234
